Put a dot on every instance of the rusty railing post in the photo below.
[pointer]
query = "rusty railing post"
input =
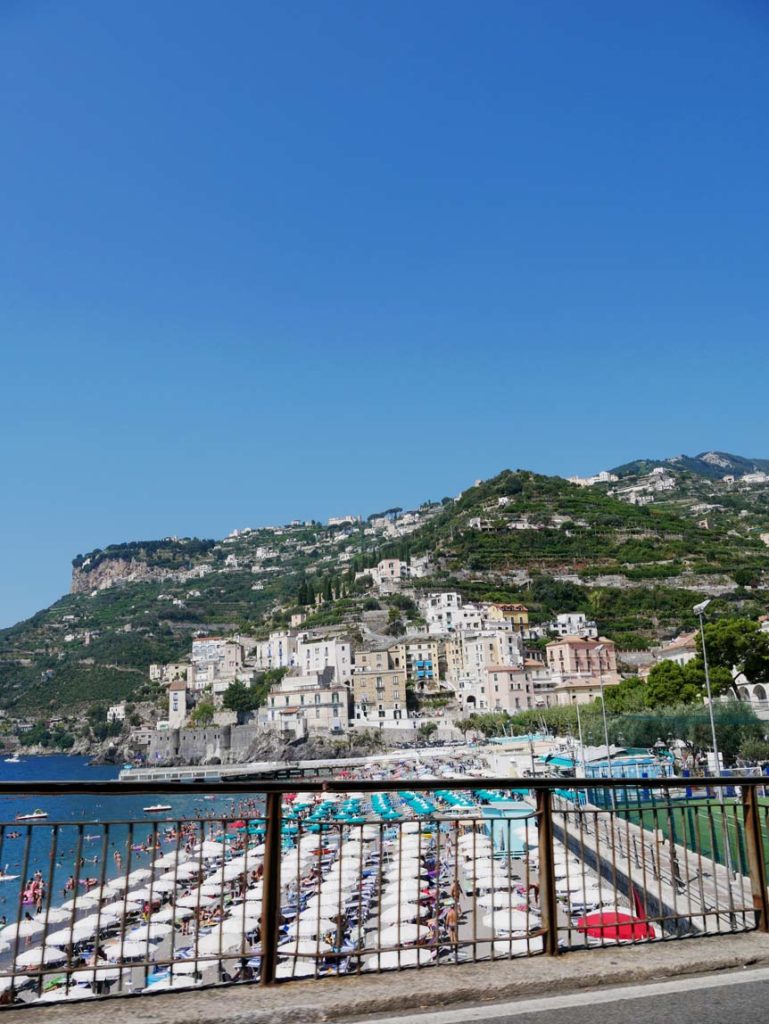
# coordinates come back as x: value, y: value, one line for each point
x: 271, y: 890
x: 754, y: 848
x: 548, y: 903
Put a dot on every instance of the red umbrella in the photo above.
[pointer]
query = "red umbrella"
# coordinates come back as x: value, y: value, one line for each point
x: 238, y: 824
x: 614, y: 927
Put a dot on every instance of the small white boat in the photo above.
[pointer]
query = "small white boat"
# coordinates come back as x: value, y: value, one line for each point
x: 33, y: 816
x: 13, y: 760
x: 157, y: 808
x: 7, y: 878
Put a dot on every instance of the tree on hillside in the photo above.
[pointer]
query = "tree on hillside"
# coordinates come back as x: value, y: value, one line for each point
x: 203, y: 714
x: 629, y: 695
x: 737, y: 646
x: 240, y: 699
x: 669, y: 684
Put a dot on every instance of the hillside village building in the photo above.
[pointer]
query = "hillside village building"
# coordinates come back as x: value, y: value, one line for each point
x: 216, y: 663
x: 475, y: 650
x: 278, y: 651
x: 317, y: 655
x: 379, y: 691
x: 580, y: 666
x: 305, y: 704
x: 177, y: 704
x: 573, y: 624
x: 166, y: 674
x: 420, y: 657
x: 682, y: 650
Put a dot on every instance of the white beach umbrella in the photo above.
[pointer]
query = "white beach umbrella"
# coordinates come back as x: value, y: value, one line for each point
x: 143, y: 894
x: 326, y: 903
x: 103, y: 971
x: 103, y: 918
x: 209, y: 850
x: 20, y: 981
x: 83, y: 901
x: 65, y: 936
x: 406, y: 879
x: 509, y: 921
x: 214, y: 944
x: 54, y: 915
x: 184, y: 871
x: 299, y: 968
x: 403, y: 912
x: 190, y: 966
x: 229, y: 929
x: 170, y: 859
x: 153, y: 931
x: 398, y: 958
x: 310, y: 927
x: 118, y: 884
x: 585, y: 899
x: 500, y: 898
x: 306, y: 947
x: 25, y: 930
x: 196, y: 899
x: 161, y: 886
x: 169, y: 913
x: 404, y: 863
x: 210, y: 888
x: 124, y: 908
x: 139, y: 875
x: 62, y: 994
x: 395, y: 899
x: 40, y: 955
x: 518, y: 947
x: 126, y: 950
x: 404, y: 933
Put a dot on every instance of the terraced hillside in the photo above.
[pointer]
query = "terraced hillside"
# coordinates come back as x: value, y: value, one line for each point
x: 555, y: 546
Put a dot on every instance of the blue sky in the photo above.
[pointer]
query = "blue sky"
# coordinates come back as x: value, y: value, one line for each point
x: 266, y: 260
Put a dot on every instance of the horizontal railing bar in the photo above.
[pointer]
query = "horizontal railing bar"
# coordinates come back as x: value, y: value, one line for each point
x: 116, y: 788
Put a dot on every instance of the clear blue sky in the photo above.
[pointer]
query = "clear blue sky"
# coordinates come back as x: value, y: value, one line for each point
x: 266, y: 260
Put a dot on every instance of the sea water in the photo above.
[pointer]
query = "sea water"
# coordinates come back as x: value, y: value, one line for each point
x: 82, y: 846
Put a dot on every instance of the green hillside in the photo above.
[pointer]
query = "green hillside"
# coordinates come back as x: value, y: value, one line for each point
x: 517, y: 536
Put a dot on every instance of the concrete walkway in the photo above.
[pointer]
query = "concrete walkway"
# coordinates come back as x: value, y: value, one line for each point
x: 339, y: 999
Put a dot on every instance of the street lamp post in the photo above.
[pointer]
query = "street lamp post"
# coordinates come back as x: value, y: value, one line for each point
x: 599, y: 650
x: 699, y: 610
x: 581, y: 741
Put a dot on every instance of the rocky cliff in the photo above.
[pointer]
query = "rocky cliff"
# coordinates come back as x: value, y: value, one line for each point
x: 112, y: 571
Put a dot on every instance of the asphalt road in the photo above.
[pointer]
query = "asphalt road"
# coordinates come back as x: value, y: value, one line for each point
x: 735, y: 996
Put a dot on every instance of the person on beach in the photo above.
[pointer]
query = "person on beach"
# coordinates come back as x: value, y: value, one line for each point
x: 452, y: 921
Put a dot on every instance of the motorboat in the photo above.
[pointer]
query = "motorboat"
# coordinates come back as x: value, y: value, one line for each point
x: 13, y: 760
x: 156, y: 808
x: 33, y: 816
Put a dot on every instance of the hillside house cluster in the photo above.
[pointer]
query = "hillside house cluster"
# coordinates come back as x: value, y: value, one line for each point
x: 473, y: 654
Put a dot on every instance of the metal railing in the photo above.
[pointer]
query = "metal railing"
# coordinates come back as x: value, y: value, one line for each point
x: 342, y: 877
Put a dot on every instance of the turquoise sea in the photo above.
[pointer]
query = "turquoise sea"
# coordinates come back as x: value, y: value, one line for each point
x: 82, y: 834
